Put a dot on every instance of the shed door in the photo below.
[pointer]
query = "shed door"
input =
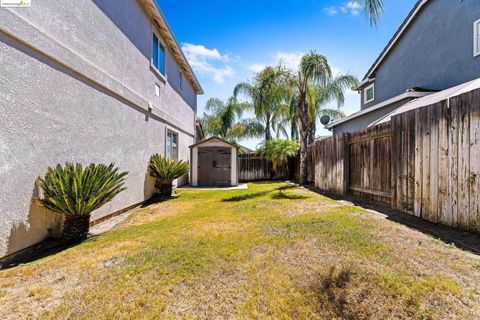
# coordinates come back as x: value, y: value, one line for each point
x: 214, y: 166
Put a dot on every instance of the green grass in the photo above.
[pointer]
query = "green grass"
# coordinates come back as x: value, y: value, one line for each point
x: 273, y: 251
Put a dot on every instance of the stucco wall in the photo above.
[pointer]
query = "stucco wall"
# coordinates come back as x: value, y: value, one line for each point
x: 75, y: 85
x: 436, y: 52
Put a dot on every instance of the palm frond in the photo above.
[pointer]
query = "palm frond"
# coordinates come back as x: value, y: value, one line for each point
x: 314, y: 67
x: 372, y: 9
x: 335, y: 89
x: 78, y: 191
x: 166, y: 170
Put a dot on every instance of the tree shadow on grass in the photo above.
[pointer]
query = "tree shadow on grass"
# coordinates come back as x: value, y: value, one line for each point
x: 285, y: 196
x: 331, y: 292
x: 247, y: 196
x: 255, y: 195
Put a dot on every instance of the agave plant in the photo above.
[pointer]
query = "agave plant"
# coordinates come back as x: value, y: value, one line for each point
x: 76, y: 192
x: 165, y: 171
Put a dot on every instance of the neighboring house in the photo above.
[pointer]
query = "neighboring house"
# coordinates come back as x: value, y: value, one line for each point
x: 93, y: 82
x: 437, y: 47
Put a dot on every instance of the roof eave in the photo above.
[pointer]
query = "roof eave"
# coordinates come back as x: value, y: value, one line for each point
x: 404, y: 26
x: 157, y: 15
x: 405, y: 95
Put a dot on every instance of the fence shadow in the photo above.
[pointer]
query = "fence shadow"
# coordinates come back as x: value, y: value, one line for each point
x: 465, y: 240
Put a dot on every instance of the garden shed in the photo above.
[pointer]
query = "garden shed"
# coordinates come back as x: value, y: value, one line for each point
x: 214, y: 163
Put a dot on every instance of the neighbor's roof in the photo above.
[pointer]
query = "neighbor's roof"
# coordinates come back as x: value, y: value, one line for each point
x: 214, y: 138
x: 396, y: 37
x: 403, y: 96
x: 431, y: 99
x: 157, y: 16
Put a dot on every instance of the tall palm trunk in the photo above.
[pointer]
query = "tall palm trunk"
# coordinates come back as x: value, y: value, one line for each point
x: 307, y: 133
x: 268, y: 135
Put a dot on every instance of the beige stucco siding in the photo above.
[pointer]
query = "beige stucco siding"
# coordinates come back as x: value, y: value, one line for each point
x: 76, y: 85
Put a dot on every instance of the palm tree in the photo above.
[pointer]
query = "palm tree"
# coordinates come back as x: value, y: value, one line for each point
x: 278, y: 152
x: 372, y: 10
x: 268, y: 92
x: 224, y: 120
x: 314, y: 87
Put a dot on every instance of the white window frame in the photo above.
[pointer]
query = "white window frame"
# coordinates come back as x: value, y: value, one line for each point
x: 365, y: 99
x: 163, y: 44
x: 166, y: 143
x: 180, y: 79
x: 476, y: 35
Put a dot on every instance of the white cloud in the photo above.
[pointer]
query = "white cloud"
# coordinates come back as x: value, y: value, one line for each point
x: 352, y: 7
x: 288, y: 59
x: 256, y: 67
x: 208, y: 62
x: 331, y: 11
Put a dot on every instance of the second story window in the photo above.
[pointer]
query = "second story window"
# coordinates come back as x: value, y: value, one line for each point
x: 158, y: 55
x: 369, y: 93
x: 172, y: 145
x: 476, y: 39
x: 180, y: 80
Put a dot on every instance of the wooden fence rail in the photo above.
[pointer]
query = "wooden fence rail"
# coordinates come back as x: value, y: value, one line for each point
x: 425, y: 162
x: 256, y: 168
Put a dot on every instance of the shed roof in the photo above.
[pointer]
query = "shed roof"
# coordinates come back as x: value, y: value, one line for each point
x: 211, y: 139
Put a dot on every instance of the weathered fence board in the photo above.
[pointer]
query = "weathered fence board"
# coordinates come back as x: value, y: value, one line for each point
x: 328, y: 159
x: 446, y: 162
x: 256, y: 168
x: 369, y: 157
x: 425, y: 162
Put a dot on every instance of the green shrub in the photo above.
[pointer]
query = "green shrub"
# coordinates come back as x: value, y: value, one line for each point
x: 165, y: 171
x: 73, y: 190
x: 76, y: 192
x: 278, y: 151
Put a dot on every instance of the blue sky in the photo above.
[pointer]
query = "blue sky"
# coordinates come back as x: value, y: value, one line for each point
x: 226, y: 41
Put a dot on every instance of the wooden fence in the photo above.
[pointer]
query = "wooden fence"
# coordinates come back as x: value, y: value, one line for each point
x: 358, y: 163
x: 369, y: 153
x: 437, y: 167
x: 425, y: 162
x: 329, y: 163
x: 255, y: 168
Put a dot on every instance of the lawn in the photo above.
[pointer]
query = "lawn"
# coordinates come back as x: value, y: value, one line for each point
x: 273, y: 251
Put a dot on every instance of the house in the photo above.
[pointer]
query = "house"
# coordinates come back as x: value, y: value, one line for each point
x: 93, y: 82
x: 214, y: 163
x: 436, y: 47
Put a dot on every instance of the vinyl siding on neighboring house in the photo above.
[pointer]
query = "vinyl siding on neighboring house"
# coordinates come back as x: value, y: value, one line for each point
x: 435, y: 52
x: 76, y: 85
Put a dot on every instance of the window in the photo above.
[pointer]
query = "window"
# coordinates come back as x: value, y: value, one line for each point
x: 172, y: 145
x: 158, y: 54
x: 180, y: 80
x: 476, y: 39
x: 369, y: 93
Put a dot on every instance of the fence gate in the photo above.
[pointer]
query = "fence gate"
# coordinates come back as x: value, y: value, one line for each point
x: 369, y: 163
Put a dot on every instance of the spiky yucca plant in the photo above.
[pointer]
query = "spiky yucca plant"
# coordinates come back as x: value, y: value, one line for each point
x: 76, y: 192
x: 165, y: 171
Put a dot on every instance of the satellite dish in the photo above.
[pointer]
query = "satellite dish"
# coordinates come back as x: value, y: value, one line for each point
x: 325, y: 120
